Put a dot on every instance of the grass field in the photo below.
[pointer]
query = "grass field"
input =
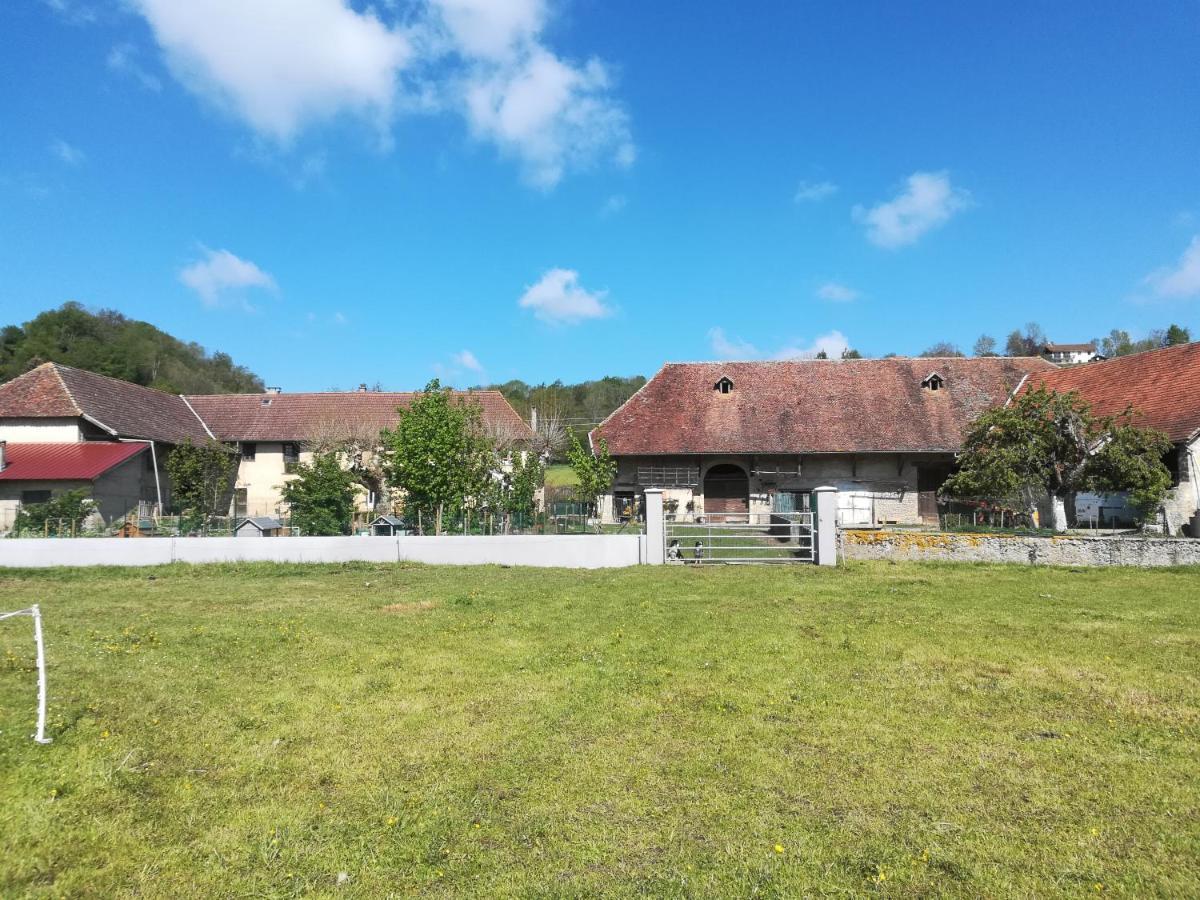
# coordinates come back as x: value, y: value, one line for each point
x: 886, y: 729
x: 560, y: 476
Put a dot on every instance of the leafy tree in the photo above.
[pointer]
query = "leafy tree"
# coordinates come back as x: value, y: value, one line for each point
x: 1176, y: 334
x: 1027, y: 343
x: 437, y: 454
x: 595, y: 471
x: 821, y: 354
x: 1052, y: 443
x: 850, y: 353
x: 321, y: 497
x: 59, y: 516
x: 109, y: 343
x: 201, y: 477
x: 985, y: 346
x: 943, y: 348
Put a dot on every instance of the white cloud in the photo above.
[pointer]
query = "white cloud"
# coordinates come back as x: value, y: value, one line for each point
x: 68, y: 154
x: 73, y: 13
x: 560, y: 299
x: 123, y: 59
x: 814, y: 191
x: 614, y: 205
x: 284, y: 65
x: 927, y: 202
x: 467, y: 360
x: 549, y: 114
x: 724, y: 347
x: 837, y: 293
x: 339, y: 318
x: 833, y: 344
x: 281, y: 64
x: 1182, y: 280
x: 221, y: 272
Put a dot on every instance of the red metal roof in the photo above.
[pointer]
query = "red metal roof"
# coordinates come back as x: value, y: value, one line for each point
x: 65, y: 462
x: 813, y: 406
x: 1162, y: 386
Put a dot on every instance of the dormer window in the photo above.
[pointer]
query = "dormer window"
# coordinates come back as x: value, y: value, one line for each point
x: 933, y: 382
x: 724, y: 386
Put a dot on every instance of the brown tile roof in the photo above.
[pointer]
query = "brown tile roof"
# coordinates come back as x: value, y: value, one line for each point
x: 1162, y: 386
x: 295, y: 417
x: 812, y: 406
x: 56, y: 391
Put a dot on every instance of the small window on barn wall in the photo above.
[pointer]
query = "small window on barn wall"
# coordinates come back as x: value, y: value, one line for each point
x: 724, y: 386
x: 933, y: 382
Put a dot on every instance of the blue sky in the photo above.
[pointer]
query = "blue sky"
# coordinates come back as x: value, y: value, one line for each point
x: 340, y: 192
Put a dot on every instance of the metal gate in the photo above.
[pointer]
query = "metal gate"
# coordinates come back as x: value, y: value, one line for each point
x: 759, y: 538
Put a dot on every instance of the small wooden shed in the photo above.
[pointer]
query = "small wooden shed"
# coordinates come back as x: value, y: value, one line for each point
x: 259, y: 526
x: 388, y: 526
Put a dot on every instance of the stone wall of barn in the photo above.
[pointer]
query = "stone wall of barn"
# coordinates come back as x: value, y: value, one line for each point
x: 884, y: 485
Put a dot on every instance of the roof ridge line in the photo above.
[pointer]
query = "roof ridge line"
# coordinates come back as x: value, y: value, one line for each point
x: 66, y: 389
x: 203, y: 424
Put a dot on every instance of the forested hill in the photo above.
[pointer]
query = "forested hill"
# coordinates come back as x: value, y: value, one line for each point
x: 578, y: 405
x: 109, y: 343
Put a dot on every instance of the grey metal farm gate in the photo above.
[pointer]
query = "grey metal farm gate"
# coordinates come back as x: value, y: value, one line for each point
x: 754, y: 538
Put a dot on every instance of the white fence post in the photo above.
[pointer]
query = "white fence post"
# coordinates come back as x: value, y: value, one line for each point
x: 826, y: 525
x: 655, y: 538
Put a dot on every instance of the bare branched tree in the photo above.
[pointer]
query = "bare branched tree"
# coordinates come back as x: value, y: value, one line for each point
x: 358, y: 441
x: 550, y: 439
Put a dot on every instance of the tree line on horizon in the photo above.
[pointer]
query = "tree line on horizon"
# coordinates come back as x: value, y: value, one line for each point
x: 112, y: 344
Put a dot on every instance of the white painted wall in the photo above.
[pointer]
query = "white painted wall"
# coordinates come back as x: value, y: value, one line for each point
x: 40, y: 431
x: 559, y: 551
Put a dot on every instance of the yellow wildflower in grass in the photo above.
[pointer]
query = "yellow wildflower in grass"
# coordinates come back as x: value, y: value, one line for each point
x: 391, y: 820
x: 779, y: 848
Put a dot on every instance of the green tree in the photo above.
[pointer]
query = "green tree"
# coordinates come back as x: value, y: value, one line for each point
x: 1026, y: 343
x: 1051, y: 443
x: 59, y: 516
x: 850, y: 353
x: 437, y: 454
x: 321, y: 496
x: 109, y: 343
x: 1176, y: 334
x: 595, y: 471
x: 201, y: 478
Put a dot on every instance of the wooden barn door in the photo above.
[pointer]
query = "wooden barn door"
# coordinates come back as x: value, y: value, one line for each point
x: 726, y: 494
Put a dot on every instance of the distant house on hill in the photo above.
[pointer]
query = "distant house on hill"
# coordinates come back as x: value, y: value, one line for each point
x: 726, y: 440
x: 1162, y: 387
x: 54, y: 406
x: 1070, y: 354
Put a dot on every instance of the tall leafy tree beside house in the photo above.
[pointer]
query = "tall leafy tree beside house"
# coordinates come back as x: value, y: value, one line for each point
x: 595, y: 471
x: 1052, y: 444
x: 438, y: 454
x: 321, y: 498
x: 201, y: 478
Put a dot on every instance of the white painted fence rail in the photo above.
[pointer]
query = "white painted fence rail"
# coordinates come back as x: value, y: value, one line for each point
x: 592, y: 551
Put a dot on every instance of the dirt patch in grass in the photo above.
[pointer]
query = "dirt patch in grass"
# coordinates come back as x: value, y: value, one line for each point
x: 414, y: 606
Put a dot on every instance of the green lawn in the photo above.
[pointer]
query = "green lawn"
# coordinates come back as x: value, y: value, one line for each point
x: 560, y: 476
x: 682, y: 731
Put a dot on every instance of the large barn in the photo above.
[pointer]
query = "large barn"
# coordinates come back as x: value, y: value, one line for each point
x: 726, y: 440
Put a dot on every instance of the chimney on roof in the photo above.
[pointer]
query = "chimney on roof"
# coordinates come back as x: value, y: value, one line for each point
x: 362, y: 388
x: 3, y: 455
x: 274, y: 390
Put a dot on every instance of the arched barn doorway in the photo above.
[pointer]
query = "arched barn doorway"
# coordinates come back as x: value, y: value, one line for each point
x: 726, y: 494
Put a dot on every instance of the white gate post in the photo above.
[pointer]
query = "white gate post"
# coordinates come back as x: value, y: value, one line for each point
x: 655, y: 536
x: 826, y: 522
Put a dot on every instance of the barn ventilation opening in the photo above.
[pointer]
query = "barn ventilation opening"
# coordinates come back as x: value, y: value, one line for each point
x: 724, y: 386
x: 933, y: 382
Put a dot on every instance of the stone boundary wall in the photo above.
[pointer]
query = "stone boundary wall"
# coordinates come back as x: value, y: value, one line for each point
x: 1066, y: 550
x: 598, y: 551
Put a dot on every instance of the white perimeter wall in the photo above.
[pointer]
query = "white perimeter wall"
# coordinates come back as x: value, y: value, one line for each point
x: 564, y: 551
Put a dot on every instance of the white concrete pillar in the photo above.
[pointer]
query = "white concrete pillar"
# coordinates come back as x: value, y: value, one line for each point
x: 826, y: 525
x: 655, y: 537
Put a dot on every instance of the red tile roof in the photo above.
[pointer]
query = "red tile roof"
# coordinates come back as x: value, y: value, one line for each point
x: 812, y: 406
x: 1162, y: 386
x: 295, y: 417
x: 65, y: 462
x: 56, y: 391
